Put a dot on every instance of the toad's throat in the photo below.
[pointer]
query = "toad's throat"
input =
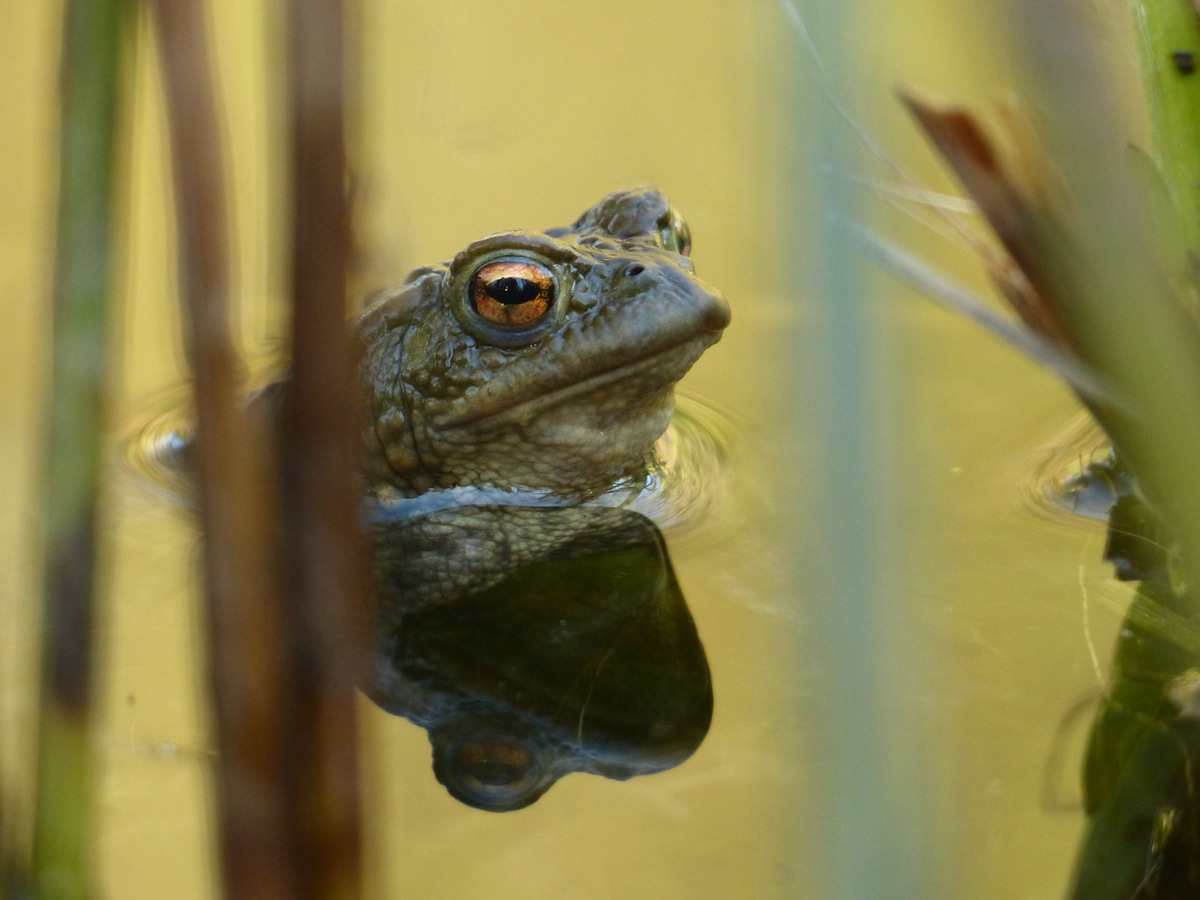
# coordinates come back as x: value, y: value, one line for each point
x: 519, y: 406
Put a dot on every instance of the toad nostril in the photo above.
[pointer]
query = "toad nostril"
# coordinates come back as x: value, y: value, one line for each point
x: 635, y: 269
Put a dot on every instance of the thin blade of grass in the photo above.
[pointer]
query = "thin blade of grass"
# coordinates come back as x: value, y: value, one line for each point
x: 939, y: 287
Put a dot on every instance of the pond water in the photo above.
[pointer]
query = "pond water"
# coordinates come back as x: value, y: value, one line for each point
x: 483, y: 117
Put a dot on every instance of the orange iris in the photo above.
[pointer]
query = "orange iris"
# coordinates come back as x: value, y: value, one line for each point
x: 512, y: 293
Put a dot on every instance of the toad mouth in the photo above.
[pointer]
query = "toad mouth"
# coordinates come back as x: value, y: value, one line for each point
x: 520, y: 406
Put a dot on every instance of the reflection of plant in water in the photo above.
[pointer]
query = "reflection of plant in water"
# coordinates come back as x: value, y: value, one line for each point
x: 1102, y: 271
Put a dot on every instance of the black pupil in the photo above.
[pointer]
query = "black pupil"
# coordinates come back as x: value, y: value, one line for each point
x: 511, y: 291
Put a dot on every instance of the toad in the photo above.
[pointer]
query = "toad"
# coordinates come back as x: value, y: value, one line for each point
x: 537, y: 360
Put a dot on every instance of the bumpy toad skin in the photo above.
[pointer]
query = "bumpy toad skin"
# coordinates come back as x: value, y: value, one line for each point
x: 537, y: 360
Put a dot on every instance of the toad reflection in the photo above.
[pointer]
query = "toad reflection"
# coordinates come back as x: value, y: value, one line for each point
x: 547, y: 641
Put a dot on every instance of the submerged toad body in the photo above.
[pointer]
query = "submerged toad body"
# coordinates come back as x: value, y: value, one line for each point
x: 539, y: 360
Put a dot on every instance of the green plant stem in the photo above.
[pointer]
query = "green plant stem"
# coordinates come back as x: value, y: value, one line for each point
x: 869, y: 812
x: 89, y: 86
x: 1168, y: 34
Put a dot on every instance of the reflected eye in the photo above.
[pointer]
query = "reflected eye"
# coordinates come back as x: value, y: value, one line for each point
x: 493, y: 773
x: 492, y: 765
x: 513, y: 293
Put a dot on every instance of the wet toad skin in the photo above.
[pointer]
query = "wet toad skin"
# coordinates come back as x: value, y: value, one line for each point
x: 537, y: 360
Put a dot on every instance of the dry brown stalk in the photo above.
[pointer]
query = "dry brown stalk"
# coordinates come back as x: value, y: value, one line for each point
x: 325, y: 559
x: 238, y: 490
x: 284, y: 569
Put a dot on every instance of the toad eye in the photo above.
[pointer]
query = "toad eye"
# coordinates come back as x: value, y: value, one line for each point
x: 674, y: 234
x: 513, y: 293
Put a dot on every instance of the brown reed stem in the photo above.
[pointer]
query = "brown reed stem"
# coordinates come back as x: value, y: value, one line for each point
x: 283, y: 672
x: 248, y: 664
x: 325, y: 560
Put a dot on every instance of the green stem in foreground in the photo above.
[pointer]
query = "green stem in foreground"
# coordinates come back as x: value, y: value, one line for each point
x: 89, y: 88
x: 1169, y: 50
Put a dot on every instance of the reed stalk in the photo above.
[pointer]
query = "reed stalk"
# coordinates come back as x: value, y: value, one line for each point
x: 238, y: 490
x: 1168, y: 33
x: 284, y: 571
x: 92, y: 39
x: 870, y: 815
x: 324, y: 554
